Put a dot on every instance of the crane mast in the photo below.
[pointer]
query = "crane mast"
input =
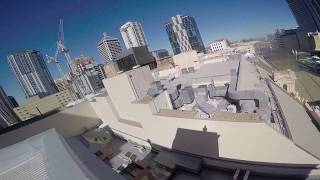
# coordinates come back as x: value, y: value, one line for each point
x: 60, y: 43
x: 54, y: 61
x: 61, y: 48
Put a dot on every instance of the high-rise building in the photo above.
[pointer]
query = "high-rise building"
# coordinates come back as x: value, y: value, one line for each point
x: 32, y: 73
x: 183, y: 34
x: 109, y: 48
x: 100, y: 70
x: 62, y: 84
x: 293, y: 39
x: 86, y: 83
x: 306, y: 13
x: 80, y: 64
x: 13, y: 101
x: 133, y: 35
x: 7, y: 115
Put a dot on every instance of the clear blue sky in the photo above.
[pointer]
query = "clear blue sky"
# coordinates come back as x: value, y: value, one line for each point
x: 33, y: 24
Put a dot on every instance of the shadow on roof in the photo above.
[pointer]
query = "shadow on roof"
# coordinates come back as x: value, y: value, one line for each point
x: 196, y: 142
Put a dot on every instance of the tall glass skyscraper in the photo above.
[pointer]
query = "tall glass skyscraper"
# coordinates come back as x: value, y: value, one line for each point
x: 183, y: 34
x: 306, y: 13
x: 32, y: 73
x: 7, y: 115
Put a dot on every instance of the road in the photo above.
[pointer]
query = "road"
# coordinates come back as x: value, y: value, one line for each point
x: 307, y: 83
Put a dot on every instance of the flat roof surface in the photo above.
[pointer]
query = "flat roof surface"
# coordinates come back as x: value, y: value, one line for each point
x: 241, y: 141
x: 43, y: 156
x: 303, y: 131
x: 219, y: 71
x: 248, y: 77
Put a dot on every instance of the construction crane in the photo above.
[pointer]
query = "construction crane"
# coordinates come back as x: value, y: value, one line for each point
x: 61, y: 48
x: 54, y: 60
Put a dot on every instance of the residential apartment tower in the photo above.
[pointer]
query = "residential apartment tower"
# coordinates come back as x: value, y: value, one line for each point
x: 32, y: 73
x: 7, y: 115
x: 183, y: 34
x: 132, y: 34
x: 109, y: 48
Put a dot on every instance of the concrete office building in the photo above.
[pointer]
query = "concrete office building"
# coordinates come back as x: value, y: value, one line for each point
x: 183, y: 34
x: 86, y: 63
x: 7, y: 115
x: 87, y: 77
x: 219, y: 45
x: 65, y: 84
x: 13, y: 101
x: 32, y: 73
x: 135, y: 56
x: 109, y: 48
x: 36, y: 106
x: 61, y: 84
x: 80, y: 64
x: 306, y: 13
x: 293, y: 39
x: 88, y: 82
x: 133, y: 35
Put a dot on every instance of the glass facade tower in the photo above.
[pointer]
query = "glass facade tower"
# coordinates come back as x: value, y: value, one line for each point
x: 184, y: 34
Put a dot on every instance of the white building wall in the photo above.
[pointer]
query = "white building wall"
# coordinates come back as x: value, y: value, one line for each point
x: 109, y: 48
x: 186, y: 58
x: 219, y: 45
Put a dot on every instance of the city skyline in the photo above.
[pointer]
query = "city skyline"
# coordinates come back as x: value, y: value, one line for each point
x: 85, y: 22
x: 120, y: 89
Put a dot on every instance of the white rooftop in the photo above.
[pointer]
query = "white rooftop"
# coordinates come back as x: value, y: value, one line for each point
x: 43, y: 156
x: 246, y: 141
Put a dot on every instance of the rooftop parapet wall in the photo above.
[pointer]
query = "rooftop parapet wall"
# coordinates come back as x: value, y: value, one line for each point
x: 241, y: 141
x: 70, y: 122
